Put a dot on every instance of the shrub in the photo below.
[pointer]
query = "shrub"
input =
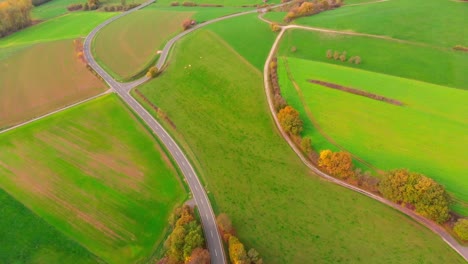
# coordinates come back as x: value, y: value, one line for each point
x: 427, y: 196
x: 74, y: 7
x: 338, y: 164
x: 175, y: 4
x: 187, y: 23
x: 39, y: 2
x: 189, y: 4
x: 152, y: 72
x: 289, y: 120
x: 293, y: 49
x: 306, y: 145
x: 343, y: 56
x: 329, y: 54
x: 461, y: 228
x: 357, y: 60
x: 336, y: 55
x: 275, y: 27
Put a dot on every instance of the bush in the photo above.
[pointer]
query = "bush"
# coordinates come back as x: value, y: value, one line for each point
x: 293, y: 49
x: 289, y: 120
x: 336, y: 55
x: 189, y: 4
x: 338, y: 164
x: 329, y: 54
x: 175, y: 4
x: 74, y: 7
x: 275, y: 27
x: 152, y: 72
x: 39, y: 2
x: 343, y: 56
x: 187, y: 23
x: 306, y: 145
x: 461, y: 228
x: 427, y: 196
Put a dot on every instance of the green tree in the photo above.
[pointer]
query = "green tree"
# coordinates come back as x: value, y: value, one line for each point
x: 461, y: 228
x: 289, y: 120
x: 175, y: 245
x: 306, y: 145
x: 237, y: 252
x: 193, y: 239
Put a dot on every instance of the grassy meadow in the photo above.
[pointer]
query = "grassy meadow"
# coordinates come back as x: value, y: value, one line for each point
x: 116, y: 48
x: 235, y: 3
x: 96, y: 174
x: 28, y: 90
x: 434, y: 65
x: 424, y: 136
x: 289, y: 215
x: 399, y: 19
x: 29, y: 239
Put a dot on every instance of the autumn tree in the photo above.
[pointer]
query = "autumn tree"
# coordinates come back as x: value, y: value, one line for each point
x: 461, y: 228
x: 199, y: 256
x: 338, y: 164
x: 224, y: 226
x: 237, y: 252
x: 254, y: 257
x: 14, y: 15
x: 152, y: 72
x: 275, y: 27
x: 429, y: 198
x: 289, y: 120
x: 187, y: 23
x: 306, y: 145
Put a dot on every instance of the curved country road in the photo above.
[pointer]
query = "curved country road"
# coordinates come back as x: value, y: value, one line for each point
x: 212, y: 236
x: 453, y: 243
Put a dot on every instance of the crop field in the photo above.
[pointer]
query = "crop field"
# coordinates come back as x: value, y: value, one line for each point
x: 399, y: 19
x: 35, y: 241
x: 127, y: 46
x: 221, y: 2
x: 28, y: 90
x: 69, y: 26
x: 127, y: 53
x: 417, y: 136
x: 97, y: 175
x: 255, y: 177
x: 59, y: 7
x: 440, y: 66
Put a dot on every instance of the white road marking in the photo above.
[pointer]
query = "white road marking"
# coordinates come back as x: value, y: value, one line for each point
x: 211, y: 231
x: 216, y: 252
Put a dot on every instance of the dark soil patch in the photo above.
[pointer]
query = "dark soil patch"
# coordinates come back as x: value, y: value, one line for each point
x: 358, y: 92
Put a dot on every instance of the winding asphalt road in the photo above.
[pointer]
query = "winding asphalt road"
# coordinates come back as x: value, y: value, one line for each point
x: 452, y: 242
x: 212, y: 236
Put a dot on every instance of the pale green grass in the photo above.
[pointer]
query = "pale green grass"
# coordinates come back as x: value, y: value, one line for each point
x: 70, y: 26
x: 440, y: 66
x: 437, y: 22
x: 220, y: 2
x: 97, y: 175
x: 26, y: 238
x: 427, y: 135
x: 289, y: 215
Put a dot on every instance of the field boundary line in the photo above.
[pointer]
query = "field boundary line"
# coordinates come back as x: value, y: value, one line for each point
x: 435, y: 228
x: 55, y: 112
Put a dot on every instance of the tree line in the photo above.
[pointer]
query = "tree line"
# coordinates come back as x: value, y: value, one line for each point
x: 410, y: 189
x: 186, y: 244
x: 14, y: 15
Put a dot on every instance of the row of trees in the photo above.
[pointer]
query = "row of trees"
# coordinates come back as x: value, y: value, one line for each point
x: 336, y: 55
x: 14, y: 15
x: 302, y: 8
x: 237, y: 251
x: 186, y: 243
x: 417, y: 191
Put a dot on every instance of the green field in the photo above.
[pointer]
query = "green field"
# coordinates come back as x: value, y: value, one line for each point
x: 60, y: 80
x: 289, y: 215
x: 440, y: 66
x: 399, y: 19
x: 219, y: 2
x: 65, y: 27
x: 59, y: 7
x: 97, y: 175
x: 26, y: 238
x: 117, y: 51
x: 418, y: 136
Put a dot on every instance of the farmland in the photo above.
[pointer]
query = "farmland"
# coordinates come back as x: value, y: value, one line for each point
x: 440, y: 66
x: 255, y: 177
x: 398, y: 19
x: 391, y: 137
x: 35, y: 241
x: 116, y: 50
x: 38, y: 90
x: 220, y: 2
x: 97, y: 175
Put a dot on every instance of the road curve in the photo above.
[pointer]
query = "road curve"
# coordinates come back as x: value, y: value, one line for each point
x: 212, y: 236
x: 460, y: 249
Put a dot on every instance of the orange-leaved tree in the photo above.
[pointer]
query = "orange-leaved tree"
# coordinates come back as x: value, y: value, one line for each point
x: 289, y: 120
x: 339, y: 164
